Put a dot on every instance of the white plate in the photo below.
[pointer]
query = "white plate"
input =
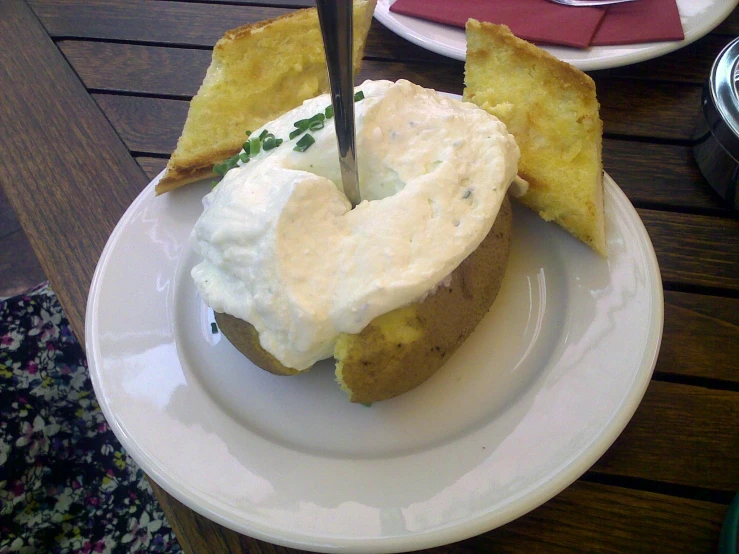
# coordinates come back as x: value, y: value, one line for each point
x: 531, y: 400
x: 698, y: 17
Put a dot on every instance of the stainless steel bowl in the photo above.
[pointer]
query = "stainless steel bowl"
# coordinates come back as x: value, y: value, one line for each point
x: 716, y: 146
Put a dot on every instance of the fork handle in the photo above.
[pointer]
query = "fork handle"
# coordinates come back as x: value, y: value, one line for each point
x: 335, y: 18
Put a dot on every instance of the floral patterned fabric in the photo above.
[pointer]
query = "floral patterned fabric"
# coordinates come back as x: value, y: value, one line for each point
x: 66, y: 484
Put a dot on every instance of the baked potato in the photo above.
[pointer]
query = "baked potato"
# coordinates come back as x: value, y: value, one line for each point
x: 400, y: 350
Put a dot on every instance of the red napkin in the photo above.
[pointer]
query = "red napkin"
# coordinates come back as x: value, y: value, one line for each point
x: 544, y: 22
x: 642, y: 21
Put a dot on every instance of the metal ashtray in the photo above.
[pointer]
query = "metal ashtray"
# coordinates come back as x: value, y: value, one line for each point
x: 716, y: 147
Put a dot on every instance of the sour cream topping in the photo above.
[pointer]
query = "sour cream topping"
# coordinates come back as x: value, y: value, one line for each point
x: 284, y: 250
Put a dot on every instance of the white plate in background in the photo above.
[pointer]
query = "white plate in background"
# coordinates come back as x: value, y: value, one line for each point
x: 698, y: 17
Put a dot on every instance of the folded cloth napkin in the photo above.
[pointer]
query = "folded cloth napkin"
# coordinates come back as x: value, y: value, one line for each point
x: 544, y: 22
x: 642, y: 21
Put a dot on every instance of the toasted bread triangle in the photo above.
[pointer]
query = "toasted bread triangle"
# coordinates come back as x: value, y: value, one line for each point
x: 257, y: 73
x: 552, y: 110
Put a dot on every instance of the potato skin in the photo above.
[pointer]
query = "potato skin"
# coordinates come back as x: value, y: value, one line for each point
x: 400, y: 350
x: 371, y: 366
x: 245, y: 338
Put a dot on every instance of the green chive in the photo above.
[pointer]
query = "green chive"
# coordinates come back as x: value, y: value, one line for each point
x: 244, y: 157
x: 329, y: 112
x: 304, y: 143
x: 254, y: 146
x: 263, y: 134
x: 296, y: 132
x: 367, y: 404
x: 359, y: 95
x: 268, y: 144
x: 248, y: 133
x: 220, y: 169
x: 316, y: 125
x: 278, y: 142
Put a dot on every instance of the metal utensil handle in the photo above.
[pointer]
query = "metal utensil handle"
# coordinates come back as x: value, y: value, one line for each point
x: 336, y: 27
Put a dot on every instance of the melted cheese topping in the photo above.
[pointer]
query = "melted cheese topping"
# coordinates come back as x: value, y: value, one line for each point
x: 284, y: 250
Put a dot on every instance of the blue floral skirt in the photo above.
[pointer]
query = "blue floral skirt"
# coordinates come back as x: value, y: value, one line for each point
x: 66, y: 484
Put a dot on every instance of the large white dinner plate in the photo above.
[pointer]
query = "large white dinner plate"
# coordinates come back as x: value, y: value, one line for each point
x: 698, y: 17
x: 540, y: 390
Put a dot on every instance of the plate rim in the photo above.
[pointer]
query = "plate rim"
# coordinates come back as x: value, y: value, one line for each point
x: 647, y: 51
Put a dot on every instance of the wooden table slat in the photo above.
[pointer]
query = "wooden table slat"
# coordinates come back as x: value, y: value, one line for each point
x: 694, y: 249
x: 164, y: 71
x: 54, y: 133
x: 151, y: 21
x: 175, y: 21
x: 701, y: 337
x: 667, y: 111
x: 680, y: 434
x: 664, y: 175
x: 691, y: 64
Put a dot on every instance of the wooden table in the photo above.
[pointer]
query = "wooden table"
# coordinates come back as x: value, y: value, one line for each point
x: 94, y: 94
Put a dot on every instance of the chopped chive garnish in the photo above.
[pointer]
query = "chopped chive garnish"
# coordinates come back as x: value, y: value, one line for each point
x: 329, y: 112
x: 306, y: 123
x: 254, y: 146
x: 304, y: 143
x: 263, y: 134
x: 359, y: 95
x: 220, y: 169
x: 316, y: 125
x: 244, y: 157
x: 367, y: 404
x: 270, y: 142
x: 296, y: 132
x: 248, y: 133
x: 214, y: 328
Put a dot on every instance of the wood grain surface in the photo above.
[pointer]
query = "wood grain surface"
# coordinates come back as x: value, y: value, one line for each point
x: 695, y: 249
x: 111, y: 82
x: 701, y: 336
x: 674, y: 419
x: 64, y: 169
